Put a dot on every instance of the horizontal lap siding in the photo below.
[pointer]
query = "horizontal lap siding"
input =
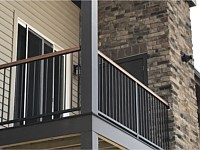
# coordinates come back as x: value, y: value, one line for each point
x: 6, y: 46
x: 75, y: 84
x: 57, y: 20
x: 46, y: 18
x: 6, y: 34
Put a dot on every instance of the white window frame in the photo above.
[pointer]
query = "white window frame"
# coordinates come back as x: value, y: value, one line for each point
x: 68, y: 65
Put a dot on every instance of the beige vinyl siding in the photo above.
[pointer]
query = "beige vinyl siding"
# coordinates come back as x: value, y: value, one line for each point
x: 6, y: 34
x: 75, y: 85
x: 6, y: 46
x: 59, y: 21
x: 56, y: 20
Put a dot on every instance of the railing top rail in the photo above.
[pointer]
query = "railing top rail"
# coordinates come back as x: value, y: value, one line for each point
x: 40, y: 57
x: 133, y: 78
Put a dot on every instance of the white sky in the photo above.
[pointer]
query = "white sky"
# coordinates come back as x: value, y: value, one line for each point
x: 195, y: 19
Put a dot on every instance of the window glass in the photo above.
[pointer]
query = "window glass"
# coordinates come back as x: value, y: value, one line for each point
x: 40, y: 85
x: 20, y: 73
x: 21, y: 43
x: 35, y: 45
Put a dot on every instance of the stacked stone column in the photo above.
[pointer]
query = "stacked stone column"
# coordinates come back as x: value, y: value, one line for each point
x: 162, y: 29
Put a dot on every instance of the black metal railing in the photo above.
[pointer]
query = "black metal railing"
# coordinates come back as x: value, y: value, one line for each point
x: 39, y: 88
x: 128, y: 103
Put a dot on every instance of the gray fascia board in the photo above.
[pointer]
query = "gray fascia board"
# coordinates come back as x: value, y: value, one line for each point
x: 55, y: 128
x: 116, y: 135
x: 72, y: 125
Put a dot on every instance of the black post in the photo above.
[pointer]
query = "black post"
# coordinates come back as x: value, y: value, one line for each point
x: 89, y: 68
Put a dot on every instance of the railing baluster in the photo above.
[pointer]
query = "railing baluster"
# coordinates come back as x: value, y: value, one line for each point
x: 78, y: 79
x: 161, y: 121
x: 163, y: 129
x: 135, y: 106
x: 160, y: 124
x: 106, y: 89
x: 109, y: 91
x: 131, y: 106
x: 143, y: 112
x: 99, y: 85
x: 3, y: 94
x: 34, y: 79
x: 140, y: 110
x: 151, y: 116
x: 9, y: 94
x: 128, y: 104
x: 166, y: 128
x: 137, y: 109
x: 155, y: 121
x: 148, y: 114
x: 119, y: 97
x: 45, y: 90
x: 22, y: 99
x: 123, y: 99
x: 26, y: 93
x: 125, y: 102
x: 117, y: 94
x: 65, y: 84
x: 53, y: 87
x: 112, y: 93
x: 102, y: 87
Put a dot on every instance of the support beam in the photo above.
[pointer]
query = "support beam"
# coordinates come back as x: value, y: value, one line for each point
x: 89, y: 140
x: 89, y: 68
x: 89, y: 57
x: 56, y: 128
x: 109, y: 131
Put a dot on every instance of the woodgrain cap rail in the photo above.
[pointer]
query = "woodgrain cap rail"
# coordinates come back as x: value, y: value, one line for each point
x: 40, y: 57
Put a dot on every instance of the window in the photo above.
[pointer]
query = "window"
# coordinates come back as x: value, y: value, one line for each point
x: 41, y: 86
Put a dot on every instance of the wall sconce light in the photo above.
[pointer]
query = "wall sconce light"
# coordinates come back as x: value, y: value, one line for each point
x: 186, y: 58
x: 76, y: 69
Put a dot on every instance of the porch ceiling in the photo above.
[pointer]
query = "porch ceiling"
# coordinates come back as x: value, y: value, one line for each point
x: 65, y: 142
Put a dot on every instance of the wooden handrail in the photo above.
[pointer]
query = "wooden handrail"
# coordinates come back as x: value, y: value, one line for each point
x: 131, y: 77
x: 40, y: 57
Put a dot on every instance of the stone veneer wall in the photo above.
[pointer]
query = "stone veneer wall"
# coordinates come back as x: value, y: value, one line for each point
x: 183, y: 98
x: 163, y: 30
